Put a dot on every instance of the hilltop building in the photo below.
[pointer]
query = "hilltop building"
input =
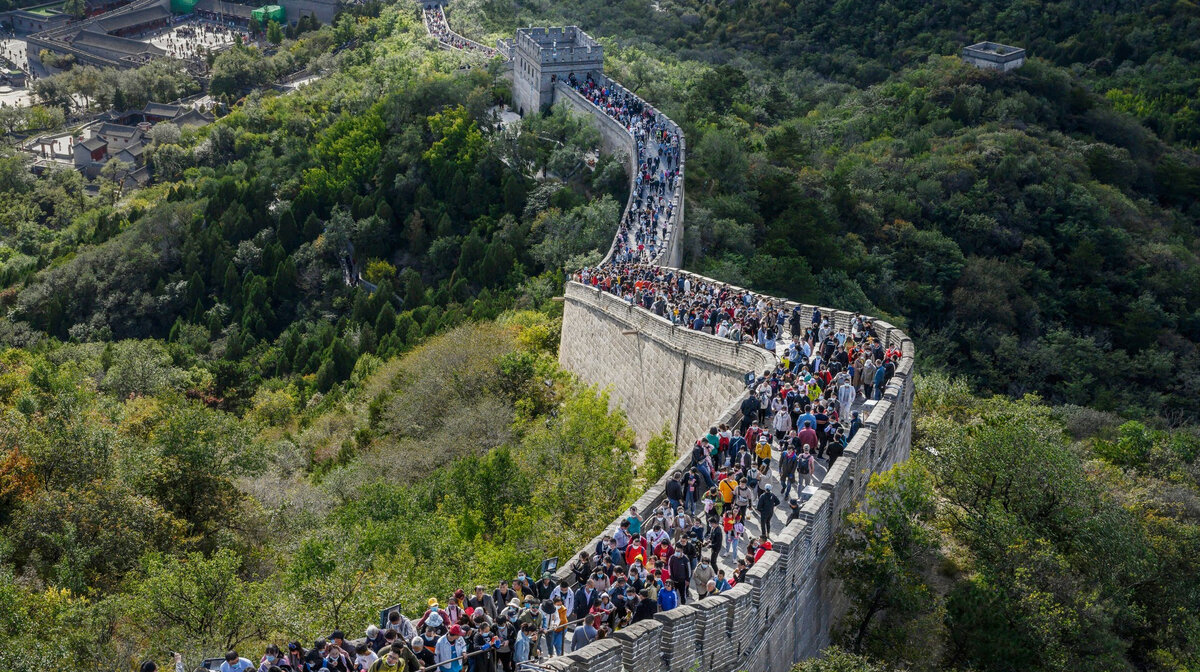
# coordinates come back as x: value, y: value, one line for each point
x: 994, y: 56
x: 541, y: 56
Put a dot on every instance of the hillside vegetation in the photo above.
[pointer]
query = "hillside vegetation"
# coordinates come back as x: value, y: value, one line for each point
x: 170, y: 525
x: 204, y: 417
x: 1026, y: 537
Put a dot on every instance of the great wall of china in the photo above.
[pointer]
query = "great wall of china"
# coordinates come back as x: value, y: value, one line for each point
x: 661, y: 373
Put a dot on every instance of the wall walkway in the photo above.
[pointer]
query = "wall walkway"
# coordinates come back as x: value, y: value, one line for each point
x: 785, y: 610
x: 661, y: 373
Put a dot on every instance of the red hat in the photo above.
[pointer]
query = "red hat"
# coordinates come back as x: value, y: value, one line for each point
x: 455, y: 630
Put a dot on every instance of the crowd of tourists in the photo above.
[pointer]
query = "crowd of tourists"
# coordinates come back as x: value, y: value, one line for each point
x: 646, y: 224
x: 718, y: 514
x: 435, y: 22
x: 815, y: 347
x: 655, y: 561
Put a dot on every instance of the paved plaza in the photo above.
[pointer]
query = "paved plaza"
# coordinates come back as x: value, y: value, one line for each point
x: 193, y: 38
x: 10, y: 97
x: 12, y: 53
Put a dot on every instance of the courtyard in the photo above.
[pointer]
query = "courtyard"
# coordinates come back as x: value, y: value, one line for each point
x: 194, y: 38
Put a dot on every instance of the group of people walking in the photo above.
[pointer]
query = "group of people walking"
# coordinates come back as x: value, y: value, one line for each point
x: 646, y: 224
x: 435, y: 23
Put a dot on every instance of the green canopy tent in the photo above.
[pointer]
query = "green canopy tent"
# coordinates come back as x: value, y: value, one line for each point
x: 269, y: 13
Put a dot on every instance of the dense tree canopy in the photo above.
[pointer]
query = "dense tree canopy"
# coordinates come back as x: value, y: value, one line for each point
x: 1062, y: 544
x: 330, y: 316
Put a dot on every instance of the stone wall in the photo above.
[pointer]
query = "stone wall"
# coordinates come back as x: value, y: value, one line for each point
x: 614, y: 138
x: 662, y: 374
x: 784, y: 611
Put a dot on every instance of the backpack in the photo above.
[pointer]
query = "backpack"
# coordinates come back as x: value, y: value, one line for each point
x: 802, y: 464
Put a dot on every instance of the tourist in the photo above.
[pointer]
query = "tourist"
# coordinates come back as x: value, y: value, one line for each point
x: 767, y: 502
x: 450, y: 649
x: 235, y: 663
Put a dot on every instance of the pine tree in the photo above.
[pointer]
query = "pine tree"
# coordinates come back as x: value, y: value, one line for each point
x: 195, y: 288
x: 326, y: 377
x: 286, y: 231
x: 385, y: 323
x: 233, y: 284
x: 312, y: 227
x: 414, y: 233
x: 284, y: 282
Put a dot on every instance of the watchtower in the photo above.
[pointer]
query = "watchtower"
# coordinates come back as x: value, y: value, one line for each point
x: 993, y: 56
x: 542, y: 56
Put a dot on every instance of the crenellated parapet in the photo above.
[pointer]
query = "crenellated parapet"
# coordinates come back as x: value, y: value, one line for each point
x: 541, y: 57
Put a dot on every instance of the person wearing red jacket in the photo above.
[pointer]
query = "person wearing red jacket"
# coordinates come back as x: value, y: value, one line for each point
x: 635, y: 549
x: 764, y: 545
x: 664, y: 550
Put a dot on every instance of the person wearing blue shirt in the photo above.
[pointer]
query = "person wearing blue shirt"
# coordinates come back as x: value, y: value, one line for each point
x: 722, y: 582
x: 234, y: 663
x: 667, y: 599
x: 804, y: 417
x: 880, y: 379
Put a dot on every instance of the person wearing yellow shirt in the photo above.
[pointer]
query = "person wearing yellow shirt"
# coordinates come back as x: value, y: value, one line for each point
x: 763, y: 451
x: 726, y: 488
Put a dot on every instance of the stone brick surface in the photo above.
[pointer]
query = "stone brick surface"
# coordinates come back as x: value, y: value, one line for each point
x: 641, y: 646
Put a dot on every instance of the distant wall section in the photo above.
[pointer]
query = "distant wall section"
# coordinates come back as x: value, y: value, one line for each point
x: 614, y: 139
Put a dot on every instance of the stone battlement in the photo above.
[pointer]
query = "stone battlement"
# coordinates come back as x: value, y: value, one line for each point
x: 542, y: 56
x: 994, y: 56
x: 784, y: 611
x: 558, y: 45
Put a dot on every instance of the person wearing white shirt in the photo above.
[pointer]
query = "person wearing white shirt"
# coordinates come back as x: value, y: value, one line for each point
x: 846, y: 396
x: 564, y: 591
x: 364, y: 657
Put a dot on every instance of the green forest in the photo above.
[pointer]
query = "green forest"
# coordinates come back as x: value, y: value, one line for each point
x: 203, y: 421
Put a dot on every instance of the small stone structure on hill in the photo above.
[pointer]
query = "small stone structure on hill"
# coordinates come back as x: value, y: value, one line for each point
x: 994, y: 56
